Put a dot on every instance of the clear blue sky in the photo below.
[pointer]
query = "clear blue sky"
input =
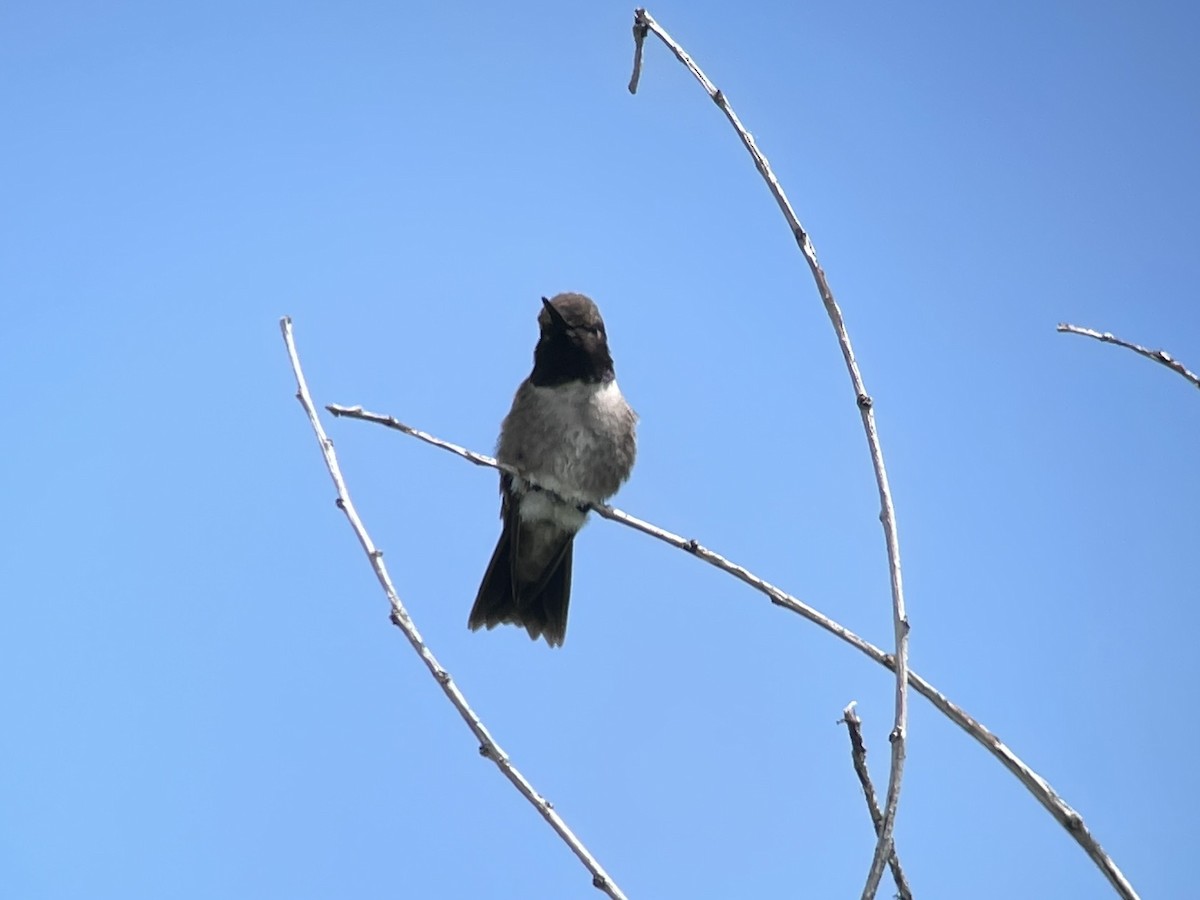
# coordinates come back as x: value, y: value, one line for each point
x: 200, y: 690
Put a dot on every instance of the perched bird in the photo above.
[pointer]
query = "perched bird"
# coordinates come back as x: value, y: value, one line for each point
x: 571, y: 432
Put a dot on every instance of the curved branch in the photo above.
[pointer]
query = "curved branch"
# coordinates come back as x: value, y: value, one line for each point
x: 400, y: 618
x: 1034, y: 783
x: 643, y: 24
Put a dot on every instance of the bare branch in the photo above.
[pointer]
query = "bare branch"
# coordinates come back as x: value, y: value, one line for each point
x: 1159, y: 356
x: 1034, y: 783
x: 858, y: 754
x: 644, y: 21
x: 401, y: 619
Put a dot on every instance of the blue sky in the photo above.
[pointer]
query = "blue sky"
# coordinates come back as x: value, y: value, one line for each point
x: 201, y: 693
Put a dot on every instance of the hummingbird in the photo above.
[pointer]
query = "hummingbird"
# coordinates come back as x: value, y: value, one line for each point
x: 571, y: 433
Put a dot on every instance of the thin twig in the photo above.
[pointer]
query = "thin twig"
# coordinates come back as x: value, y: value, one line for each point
x: 1034, y: 783
x: 858, y: 754
x: 887, y: 515
x: 1159, y: 356
x: 639, y: 40
x: 401, y: 619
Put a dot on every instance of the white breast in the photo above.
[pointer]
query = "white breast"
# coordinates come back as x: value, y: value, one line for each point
x: 583, y: 424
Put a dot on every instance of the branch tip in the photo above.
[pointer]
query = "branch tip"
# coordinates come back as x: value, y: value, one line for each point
x: 1159, y: 356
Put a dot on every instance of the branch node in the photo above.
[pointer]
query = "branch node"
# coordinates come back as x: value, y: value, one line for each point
x: 692, y: 546
x: 865, y: 401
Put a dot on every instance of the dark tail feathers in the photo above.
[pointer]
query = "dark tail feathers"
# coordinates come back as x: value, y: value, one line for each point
x: 540, y: 607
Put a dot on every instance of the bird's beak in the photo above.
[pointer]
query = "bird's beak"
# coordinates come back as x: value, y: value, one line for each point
x: 555, y: 316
